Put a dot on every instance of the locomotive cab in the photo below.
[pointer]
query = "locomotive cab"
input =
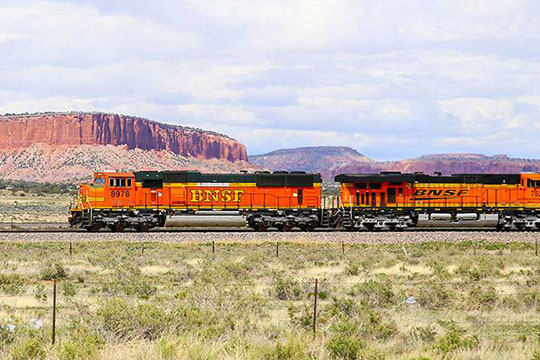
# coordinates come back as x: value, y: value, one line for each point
x: 530, y: 184
x: 106, y: 191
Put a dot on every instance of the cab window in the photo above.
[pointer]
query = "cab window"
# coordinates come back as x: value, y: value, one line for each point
x: 120, y: 182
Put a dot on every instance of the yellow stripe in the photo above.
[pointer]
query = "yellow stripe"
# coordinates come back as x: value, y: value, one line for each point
x: 217, y: 185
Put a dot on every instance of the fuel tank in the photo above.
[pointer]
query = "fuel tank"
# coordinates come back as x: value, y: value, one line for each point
x: 206, y: 219
x: 459, y: 220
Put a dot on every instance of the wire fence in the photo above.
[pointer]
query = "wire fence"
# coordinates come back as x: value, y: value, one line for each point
x: 52, y: 297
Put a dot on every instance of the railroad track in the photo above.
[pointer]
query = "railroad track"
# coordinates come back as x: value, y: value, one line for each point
x: 61, y: 227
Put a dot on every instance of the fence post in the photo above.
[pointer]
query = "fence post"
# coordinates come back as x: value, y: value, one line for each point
x: 142, y: 248
x: 536, y: 252
x: 70, y: 248
x: 342, y: 248
x: 315, y: 297
x: 213, y: 247
x: 54, y: 313
x: 277, y: 249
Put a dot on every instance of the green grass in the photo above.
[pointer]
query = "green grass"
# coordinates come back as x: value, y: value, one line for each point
x: 465, y: 301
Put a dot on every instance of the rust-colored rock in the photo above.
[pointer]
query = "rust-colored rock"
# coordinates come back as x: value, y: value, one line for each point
x: 332, y: 160
x: 73, y: 129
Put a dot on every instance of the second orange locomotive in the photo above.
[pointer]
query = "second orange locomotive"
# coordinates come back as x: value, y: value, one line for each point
x: 282, y: 200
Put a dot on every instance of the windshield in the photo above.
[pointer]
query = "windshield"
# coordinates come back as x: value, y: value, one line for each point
x: 98, y: 182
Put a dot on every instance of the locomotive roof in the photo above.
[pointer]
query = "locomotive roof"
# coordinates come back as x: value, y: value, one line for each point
x: 278, y: 178
x: 510, y: 179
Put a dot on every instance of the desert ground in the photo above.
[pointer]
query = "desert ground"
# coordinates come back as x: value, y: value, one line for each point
x: 18, y: 207
x: 170, y: 296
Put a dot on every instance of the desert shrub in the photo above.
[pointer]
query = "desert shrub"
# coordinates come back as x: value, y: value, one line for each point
x: 352, y: 268
x: 360, y: 320
x: 129, y: 281
x: 69, y: 289
x: 346, y: 343
x: 344, y: 346
x: 371, y: 354
x: 54, y: 271
x: 292, y: 349
x: 433, y: 296
x: 301, y: 315
x: 35, y: 187
x: 454, y: 338
x: 127, y: 321
x: 423, y: 333
x: 482, y: 298
x: 40, y: 292
x: 286, y: 288
x: 212, y: 272
x: 167, y: 349
x: 524, y: 299
x: 11, y: 283
x: 374, y: 293
x: 440, y: 271
x: 138, y: 287
x: 82, y: 347
x: 6, y: 335
x: 31, y: 348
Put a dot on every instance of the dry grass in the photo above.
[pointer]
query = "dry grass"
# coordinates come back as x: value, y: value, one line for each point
x: 180, y: 301
x: 26, y: 207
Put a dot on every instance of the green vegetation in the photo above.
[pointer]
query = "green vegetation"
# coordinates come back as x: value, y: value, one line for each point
x: 37, y: 188
x: 180, y: 301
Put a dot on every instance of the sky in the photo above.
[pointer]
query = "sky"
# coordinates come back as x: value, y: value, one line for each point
x: 391, y: 79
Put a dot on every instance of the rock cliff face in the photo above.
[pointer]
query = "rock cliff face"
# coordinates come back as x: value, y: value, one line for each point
x: 74, y: 129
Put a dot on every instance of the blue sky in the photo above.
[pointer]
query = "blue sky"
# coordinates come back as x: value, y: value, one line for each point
x: 392, y: 79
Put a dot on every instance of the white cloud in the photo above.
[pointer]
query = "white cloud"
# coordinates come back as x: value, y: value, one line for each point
x: 389, y: 78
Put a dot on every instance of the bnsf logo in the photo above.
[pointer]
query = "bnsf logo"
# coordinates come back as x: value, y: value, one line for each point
x: 215, y: 195
x: 449, y: 192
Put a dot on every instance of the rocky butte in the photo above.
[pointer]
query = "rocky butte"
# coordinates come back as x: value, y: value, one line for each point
x: 70, y: 146
x: 21, y: 131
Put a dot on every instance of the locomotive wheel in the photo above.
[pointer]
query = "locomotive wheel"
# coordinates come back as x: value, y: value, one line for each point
x: 288, y: 227
x: 262, y: 227
x: 144, y: 227
x: 305, y: 227
x: 285, y: 227
x: 117, y: 227
x: 93, y: 227
x: 370, y: 227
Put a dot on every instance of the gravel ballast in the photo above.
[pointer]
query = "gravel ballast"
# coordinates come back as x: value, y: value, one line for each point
x: 348, y: 237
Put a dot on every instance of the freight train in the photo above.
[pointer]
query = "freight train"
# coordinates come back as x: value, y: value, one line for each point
x: 294, y: 200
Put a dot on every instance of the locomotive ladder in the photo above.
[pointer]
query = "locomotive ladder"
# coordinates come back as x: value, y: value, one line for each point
x: 325, y: 217
x: 347, y: 216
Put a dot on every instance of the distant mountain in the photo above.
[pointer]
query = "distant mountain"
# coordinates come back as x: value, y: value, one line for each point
x: 326, y: 159
x: 62, y: 147
x: 333, y: 160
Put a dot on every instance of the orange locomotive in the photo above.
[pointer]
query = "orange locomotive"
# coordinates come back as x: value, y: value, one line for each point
x: 389, y: 200
x: 147, y: 199
x: 392, y: 200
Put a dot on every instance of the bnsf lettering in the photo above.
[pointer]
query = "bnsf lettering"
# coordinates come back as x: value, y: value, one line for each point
x: 214, y: 195
x: 449, y: 192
